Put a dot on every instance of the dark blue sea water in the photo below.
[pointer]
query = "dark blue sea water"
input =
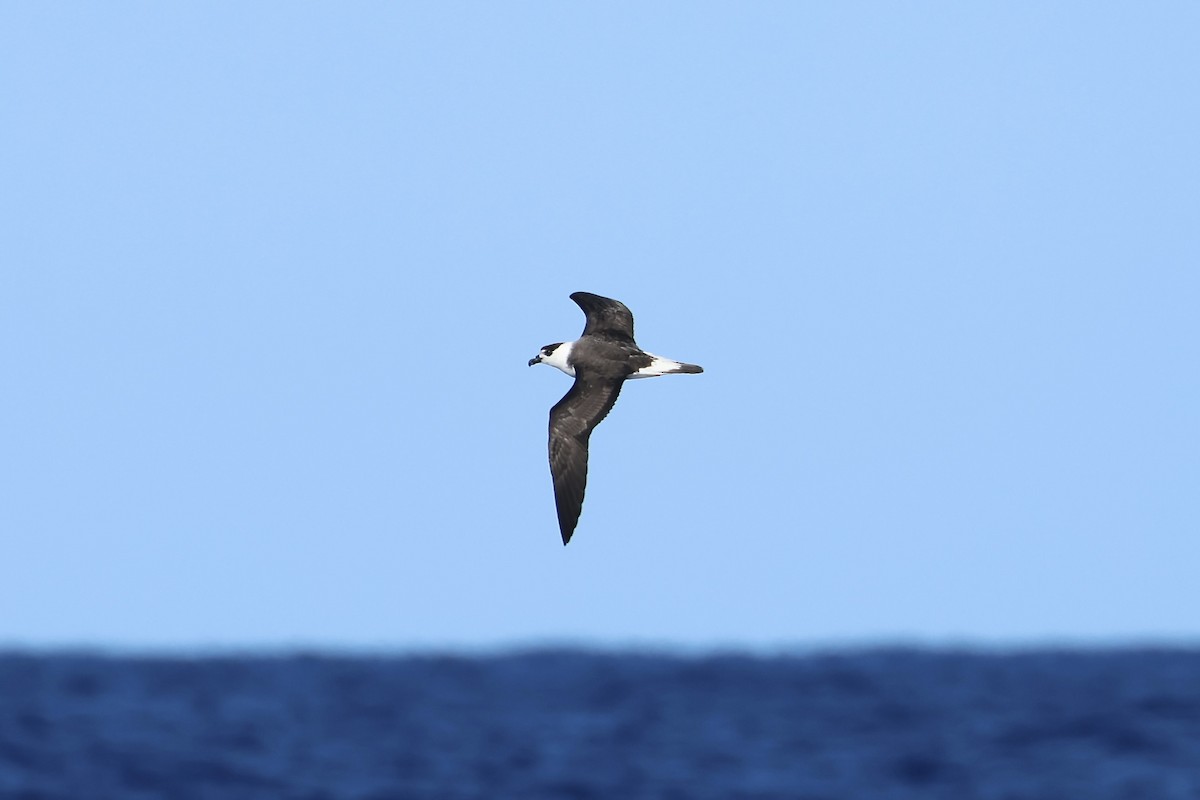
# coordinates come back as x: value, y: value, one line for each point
x: 879, y: 725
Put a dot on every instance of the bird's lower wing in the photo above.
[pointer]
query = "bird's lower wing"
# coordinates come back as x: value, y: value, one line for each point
x: 568, y: 465
x: 571, y: 423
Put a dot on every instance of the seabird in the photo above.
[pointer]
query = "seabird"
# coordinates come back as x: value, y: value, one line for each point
x: 600, y: 361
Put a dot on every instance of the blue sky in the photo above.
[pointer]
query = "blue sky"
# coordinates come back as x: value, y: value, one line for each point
x: 272, y: 273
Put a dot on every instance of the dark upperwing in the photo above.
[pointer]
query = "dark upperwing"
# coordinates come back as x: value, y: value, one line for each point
x: 605, y: 316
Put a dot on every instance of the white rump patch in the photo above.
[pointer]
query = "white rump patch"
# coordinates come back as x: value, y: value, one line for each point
x: 558, y: 358
x: 659, y: 366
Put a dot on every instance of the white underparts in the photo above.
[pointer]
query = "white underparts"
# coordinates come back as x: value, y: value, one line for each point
x: 659, y: 366
x: 558, y: 358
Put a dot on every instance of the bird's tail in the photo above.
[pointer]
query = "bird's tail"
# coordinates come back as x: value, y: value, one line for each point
x: 665, y: 366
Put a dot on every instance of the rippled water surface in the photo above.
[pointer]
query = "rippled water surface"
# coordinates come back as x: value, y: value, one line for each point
x: 886, y: 724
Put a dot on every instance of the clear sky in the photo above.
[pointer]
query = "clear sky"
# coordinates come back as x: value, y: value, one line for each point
x: 271, y: 274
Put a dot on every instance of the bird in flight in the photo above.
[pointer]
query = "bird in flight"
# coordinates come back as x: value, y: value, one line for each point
x: 600, y: 361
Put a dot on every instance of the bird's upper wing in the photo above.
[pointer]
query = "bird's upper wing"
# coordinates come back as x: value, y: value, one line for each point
x: 605, y: 317
x: 571, y: 422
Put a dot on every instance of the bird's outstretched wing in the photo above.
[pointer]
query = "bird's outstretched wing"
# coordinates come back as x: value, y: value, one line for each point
x: 605, y: 316
x: 571, y: 422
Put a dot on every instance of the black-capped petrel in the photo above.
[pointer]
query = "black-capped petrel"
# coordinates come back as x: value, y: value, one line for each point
x: 600, y: 361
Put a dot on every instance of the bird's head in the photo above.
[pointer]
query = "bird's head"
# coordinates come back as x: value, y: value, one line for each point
x: 544, y: 353
x: 556, y: 356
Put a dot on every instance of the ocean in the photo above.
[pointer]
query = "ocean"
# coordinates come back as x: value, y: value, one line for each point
x: 882, y: 724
